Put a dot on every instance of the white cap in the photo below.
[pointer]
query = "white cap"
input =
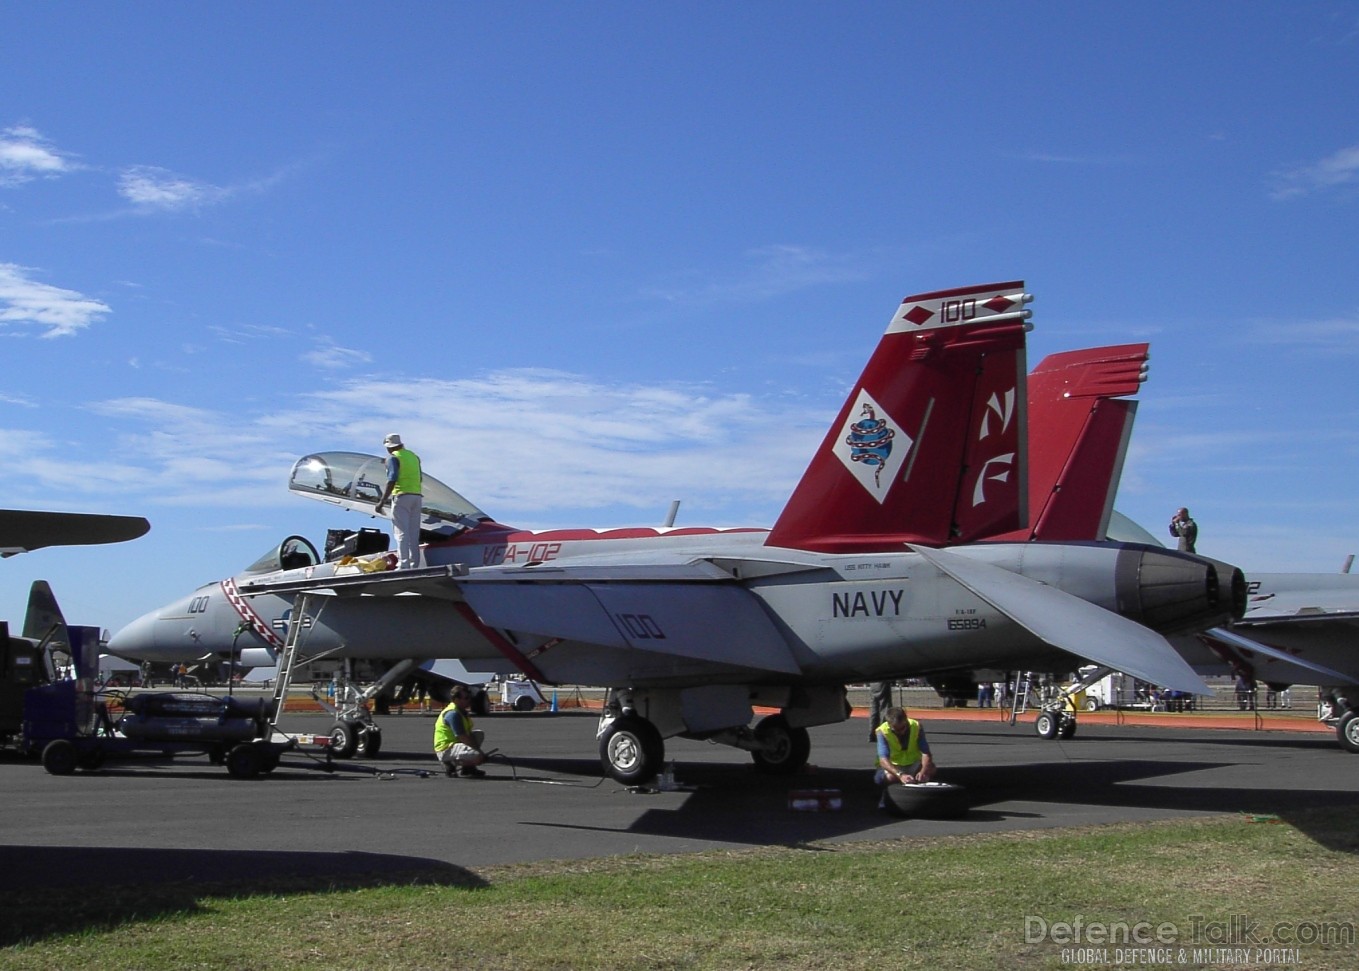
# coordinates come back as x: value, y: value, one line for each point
x: 392, y: 441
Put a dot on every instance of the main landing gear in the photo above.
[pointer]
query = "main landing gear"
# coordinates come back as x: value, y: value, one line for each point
x: 632, y: 747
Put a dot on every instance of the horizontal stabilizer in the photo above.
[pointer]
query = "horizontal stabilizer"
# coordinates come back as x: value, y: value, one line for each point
x: 1312, y: 616
x: 23, y: 530
x: 1245, y: 643
x: 1072, y: 624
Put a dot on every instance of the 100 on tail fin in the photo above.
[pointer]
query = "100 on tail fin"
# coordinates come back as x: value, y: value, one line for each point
x: 929, y: 447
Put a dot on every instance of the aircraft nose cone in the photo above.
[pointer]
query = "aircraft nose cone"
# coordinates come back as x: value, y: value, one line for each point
x: 136, y: 641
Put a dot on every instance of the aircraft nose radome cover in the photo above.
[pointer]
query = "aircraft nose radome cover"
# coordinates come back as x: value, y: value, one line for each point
x: 135, y: 640
x: 1174, y: 592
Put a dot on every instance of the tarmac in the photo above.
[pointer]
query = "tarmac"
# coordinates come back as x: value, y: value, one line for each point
x: 397, y: 818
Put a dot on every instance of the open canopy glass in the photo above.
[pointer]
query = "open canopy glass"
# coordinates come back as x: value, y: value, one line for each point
x: 355, y: 481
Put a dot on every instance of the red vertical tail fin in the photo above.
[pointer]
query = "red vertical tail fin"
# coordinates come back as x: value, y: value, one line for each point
x: 1079, y: 426
x: 929, y: 447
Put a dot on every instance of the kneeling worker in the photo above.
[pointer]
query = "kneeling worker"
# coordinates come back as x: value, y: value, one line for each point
x: 903, y: 752
x: 456, y: 745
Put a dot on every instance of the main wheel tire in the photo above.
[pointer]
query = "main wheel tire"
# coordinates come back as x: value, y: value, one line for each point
x: 1347, y: 731
x: 59, y: 757
x: 785, y: 748
x: 370, y: 743
x: 1067, y: 729
x: 344, y: 740
x: 631, y: 750
x: 926, y: 800
x: 245, y: 761
x: 1047, y: 725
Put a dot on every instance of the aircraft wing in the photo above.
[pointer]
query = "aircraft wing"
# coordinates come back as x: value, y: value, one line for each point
x: 690, y: 609
x: 1331, y: 675
x: 1072, y: 624
x: 22, y: 531
x: 1297, y: 609
x: 666, y: 605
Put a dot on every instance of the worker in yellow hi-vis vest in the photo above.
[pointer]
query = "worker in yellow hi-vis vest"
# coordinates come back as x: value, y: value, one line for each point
x: 404, y: 487
x: 456, y: 743
x: 903, y: 752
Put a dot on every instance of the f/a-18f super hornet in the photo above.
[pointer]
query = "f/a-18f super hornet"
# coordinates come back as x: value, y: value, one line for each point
x: 880, y: 566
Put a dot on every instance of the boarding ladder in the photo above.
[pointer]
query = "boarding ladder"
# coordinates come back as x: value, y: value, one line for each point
x: 1019, y: 702
x: 287, y: 658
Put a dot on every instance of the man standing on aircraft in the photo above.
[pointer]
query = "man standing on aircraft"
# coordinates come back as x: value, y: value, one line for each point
x: 403, y: 488
x: 456, y: 744
x: 1185, y: 529
x: 903, y: 753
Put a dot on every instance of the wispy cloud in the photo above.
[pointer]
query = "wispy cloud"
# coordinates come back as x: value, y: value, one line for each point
x: 26, y: 155
x: 1335, y: 171
x: 248, y: 333
x: 1337, y: 335
x: 770, y: 271
x: 331, y: 357
x: 152, y: 189
x: 534, y: 440
x: 1057, y: 158
x: 62, y: 312
x: 523, y: 444
x: 155, y: 189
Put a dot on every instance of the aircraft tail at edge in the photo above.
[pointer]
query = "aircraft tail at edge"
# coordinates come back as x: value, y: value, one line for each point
x: 929, y: 447
x: 1079, y: 428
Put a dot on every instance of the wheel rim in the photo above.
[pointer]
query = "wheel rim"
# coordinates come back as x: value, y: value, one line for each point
x: 780, y: 747
x: 1352, y: 731
x: 625, y: 751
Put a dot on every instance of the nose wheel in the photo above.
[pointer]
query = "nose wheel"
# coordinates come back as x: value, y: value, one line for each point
x: 1055, y: 724
x: 631, y: 750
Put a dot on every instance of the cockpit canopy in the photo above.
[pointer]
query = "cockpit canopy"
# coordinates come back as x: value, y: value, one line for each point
x: 293, y: 553
x: 355, y: 481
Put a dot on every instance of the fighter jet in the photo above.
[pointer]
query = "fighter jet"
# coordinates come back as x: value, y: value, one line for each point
x: 882, y: 565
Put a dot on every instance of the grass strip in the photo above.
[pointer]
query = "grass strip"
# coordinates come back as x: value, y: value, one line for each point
x: 953, y: 902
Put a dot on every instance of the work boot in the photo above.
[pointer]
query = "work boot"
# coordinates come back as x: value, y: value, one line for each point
x: 471, y: 772
x: 450, y: 770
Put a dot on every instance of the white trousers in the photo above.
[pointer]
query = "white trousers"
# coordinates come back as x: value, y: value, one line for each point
x: 406, y: 529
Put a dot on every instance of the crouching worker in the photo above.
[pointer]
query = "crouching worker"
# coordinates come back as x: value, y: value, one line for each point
x: 903, y: 752
x: 456, y: 745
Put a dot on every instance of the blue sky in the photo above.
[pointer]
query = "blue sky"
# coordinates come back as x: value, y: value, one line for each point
x: 592, y: 257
